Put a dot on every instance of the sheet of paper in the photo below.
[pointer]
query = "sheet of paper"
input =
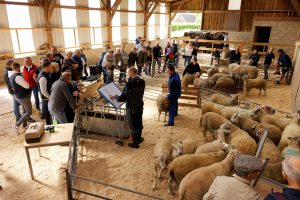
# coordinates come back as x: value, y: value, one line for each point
x: 109, y: 90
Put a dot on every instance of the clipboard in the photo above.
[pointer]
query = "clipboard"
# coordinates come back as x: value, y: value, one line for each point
x: 108, y: 90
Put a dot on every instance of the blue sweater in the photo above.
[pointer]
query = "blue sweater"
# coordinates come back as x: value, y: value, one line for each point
x: 79, y: 61
x: 174, y: 87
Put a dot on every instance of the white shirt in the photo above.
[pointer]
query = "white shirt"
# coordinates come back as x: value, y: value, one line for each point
x: 19, y: 80
x: 43, y: 87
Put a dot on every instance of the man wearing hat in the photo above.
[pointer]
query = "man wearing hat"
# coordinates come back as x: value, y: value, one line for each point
x: 237, y: 187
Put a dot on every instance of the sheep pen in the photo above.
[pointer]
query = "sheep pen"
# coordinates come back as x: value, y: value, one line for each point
x: 102, y: 160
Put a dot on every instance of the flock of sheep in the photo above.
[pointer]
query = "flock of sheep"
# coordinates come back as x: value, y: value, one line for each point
x: 227, y: 79
x: 236, y: 131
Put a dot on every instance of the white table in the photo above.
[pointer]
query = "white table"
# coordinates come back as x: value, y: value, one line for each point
x: 62, y: 136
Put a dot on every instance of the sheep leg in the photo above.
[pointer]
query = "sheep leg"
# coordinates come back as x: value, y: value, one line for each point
x: 165, y: 116
x: 159, y: 173
x: 158, y: 116
x: 170, y: 183
x: 155, y: 175
x: 265, y: 91
x: 259, y: 91
x: 204, y: 129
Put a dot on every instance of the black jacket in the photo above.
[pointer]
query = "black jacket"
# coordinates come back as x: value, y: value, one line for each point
x: 156, y: 52
x: 6, y: 79
x: 132, y: 60
x: 133, y: 93
x: 191, y: 68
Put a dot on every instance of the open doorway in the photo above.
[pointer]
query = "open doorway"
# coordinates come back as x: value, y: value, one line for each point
x: 261, y: 34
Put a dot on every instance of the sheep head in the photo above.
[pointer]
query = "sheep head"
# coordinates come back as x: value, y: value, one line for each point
x: 260, y: 132
x: 257, y: 113
x: 296, y: 117
x: 226, y: 147
x: 235, y: 99
x: 225, y: 126
x: 245, y: 77
x: 178, y: 149
x: 236, y: 118
x: 268, y: 109
x: 294, y: 142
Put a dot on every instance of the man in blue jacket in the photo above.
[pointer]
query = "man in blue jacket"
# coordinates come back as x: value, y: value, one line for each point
x: 174, y: 85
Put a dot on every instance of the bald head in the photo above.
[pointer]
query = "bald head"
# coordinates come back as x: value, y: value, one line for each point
x: 291, y: 169
x: 65, y: 76
x: 77, y: 52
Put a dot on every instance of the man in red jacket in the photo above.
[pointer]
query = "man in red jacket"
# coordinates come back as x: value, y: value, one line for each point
x: 28, y: 71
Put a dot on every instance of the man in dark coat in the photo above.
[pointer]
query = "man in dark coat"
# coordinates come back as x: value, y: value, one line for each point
x: 174, y: 94
x: 133, y: 94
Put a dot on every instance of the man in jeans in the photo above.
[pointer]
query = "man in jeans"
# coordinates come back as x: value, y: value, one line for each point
x: 28, y: 72
x: 60, y: 94
x: 156, y: 58
x: 22, y: 95
x: 16, y: 105
x: 269, y: 60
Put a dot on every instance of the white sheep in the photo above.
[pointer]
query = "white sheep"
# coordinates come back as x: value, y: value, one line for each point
x: 224, y: 100
x: 274, y: 171
x: 188, y: 79
x: 258, y: 114
x: 184, y: 164
x: 274, y: 131
x: 162, y: 104
x: 197, y: 183
x: 291, y: 130
x: 189, y: 146
x: 215, y: 145
x: 258, y: 83
x: 224, y: 84
x: 212, y: 71
x: 199, y: 83
x: 245, y: 123
x: 216, y: 77
x: 269, y: 150
x: 241, y: 140
x: 211, y: 121
x: 164, y: 152
x: 211, y: 107
x: 293, y: 149
x: 228, y: 112
x: 242, y: 70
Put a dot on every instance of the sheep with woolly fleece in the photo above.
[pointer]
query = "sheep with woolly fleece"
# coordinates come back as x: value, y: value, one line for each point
x: 245, y: 123
x: 211, y: 121
x: 291, y: 130
x: 242, y: 70
x: 195, y: 185
x: 212, y: 71
x: 164, y: 152
x: 188, y: 79
x: 200, y: 82
x: 184, y: 164
x: 258, y: 114
x: 224, y: 84
x: 274, y: 131
x: 228, y: 112
x: 258, y: 83
x: 162, y: 104
x: 269, y: 150
x: 189, y: 146
x: 293, y: 149
x: 216, y: 77
x: 224, y: 100
x: 274, y: 171
x: 215, y: 145
x: 241, y: 140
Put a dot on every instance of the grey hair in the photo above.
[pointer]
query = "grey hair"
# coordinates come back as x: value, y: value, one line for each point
x: 292, y: 172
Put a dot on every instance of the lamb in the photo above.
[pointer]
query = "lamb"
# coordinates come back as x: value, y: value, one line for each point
x: 291, y: 130
x: 184, y: 164
x: 224, y: 100
x: 216, y: 77
x: 224, y: 84
x: 269, y: 149
x: 240, y: 140
x: 211, y: 107
x: 245, y: 123
x: 164, y: 152
x: 240, y: 70
x: 197, y: 183
x: 228, y: 112
x: 258, y: 114
x: 189, y: 146
x: 188, y: 79
x: 258, y: 83
x: 212, y: 121
x: 215, y: 145
x: 274, y: 131
x: 199, y: 82
x: 212, y: 71
x: 162, y: 104
x: 293, y: 149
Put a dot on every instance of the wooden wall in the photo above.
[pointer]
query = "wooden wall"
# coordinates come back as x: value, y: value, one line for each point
x: 215, y: 12
x: 296, y: 81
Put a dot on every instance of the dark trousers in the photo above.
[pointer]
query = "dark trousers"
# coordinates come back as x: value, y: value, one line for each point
x: 70, y: 114
x: 173, y: 109
x: 122, y: 75
x: 266, y: 67
x: 46, y: 112
x: 135, y: 120
x: 140, y: 68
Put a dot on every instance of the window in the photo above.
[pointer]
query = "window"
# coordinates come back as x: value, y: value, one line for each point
x: 22, y: 40
x: 151, y: 27
x: 69, y: 22
x: 116, y: 31
x: 234, y: 5
x: 132, y: 20
x: 163, y: 26
x: 95, y: 21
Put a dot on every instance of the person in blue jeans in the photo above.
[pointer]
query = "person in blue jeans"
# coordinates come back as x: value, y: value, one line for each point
x: 174, y: 85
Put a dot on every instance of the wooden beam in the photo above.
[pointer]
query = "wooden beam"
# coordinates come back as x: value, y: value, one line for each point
x: 203, y: 10
x: 152, y: 10
x: 145, y: 22
x: 142, y: 5
x: 114, y: 7
x: 104, y: 4
x: 177, y: 9
x: 109, y: 21
x: 296, y: 5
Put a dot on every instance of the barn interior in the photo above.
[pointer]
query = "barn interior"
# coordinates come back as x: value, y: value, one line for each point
x: 88, y: 157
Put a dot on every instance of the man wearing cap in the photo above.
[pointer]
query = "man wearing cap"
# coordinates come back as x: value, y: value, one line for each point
x: 291, y: 172
x: 237, y: 187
